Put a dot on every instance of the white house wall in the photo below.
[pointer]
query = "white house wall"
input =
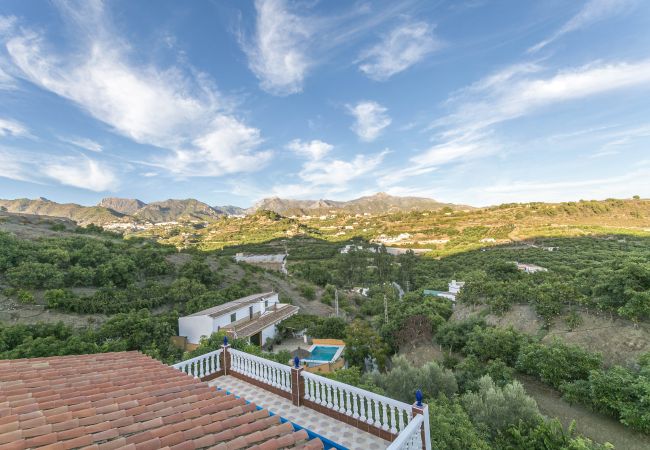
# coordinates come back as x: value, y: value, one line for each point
x: 194, y: 327
x: 268, y: 333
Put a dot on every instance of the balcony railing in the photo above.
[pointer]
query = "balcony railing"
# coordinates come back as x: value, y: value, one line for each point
x: 411, y: 437
x: 260, y: 369
x: 374, y: 409
x: 202, y: 366
x: 407, y: 426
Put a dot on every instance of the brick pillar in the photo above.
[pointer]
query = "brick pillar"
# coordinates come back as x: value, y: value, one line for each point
x: 225, y: 359
x: 423, y: 409
x: 297, y: 386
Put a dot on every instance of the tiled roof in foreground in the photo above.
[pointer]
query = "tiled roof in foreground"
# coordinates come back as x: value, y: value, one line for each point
x: 128, y: 400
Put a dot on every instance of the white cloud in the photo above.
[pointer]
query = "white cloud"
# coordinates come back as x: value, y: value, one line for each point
x: 335, y: 172
x: 6, y: 81
x: 82, y: 173
x: 84, y: 143
x: 469, y: 131
x: 313, y: 149
x: 518, y: 95
x: 618, y: 186
x: 175, y: 109
x: 13, y: 167
x: 592, y: 11
x: 10, y: 127
x: 278, y: 54
x: 371, y: 119
x: 398, y: 50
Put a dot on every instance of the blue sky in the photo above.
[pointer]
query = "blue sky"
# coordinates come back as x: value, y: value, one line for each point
x: 230, y: 101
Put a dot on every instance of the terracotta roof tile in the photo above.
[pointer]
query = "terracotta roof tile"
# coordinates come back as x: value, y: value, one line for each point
x: 124, y: 400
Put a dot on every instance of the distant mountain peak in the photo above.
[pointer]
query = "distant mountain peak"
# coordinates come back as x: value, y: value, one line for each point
x: 127, y: 206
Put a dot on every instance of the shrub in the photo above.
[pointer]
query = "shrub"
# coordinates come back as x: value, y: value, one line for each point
x: 26, y: 297
x: 495, y: 343
x: 404, y: 379
x: 451, y: 427
x: 557, y: 363
x: 308, y: 291
x: 495, y: 409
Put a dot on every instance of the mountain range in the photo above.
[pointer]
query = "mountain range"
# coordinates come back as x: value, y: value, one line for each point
x: 380, y: 203
x: 113, y: 209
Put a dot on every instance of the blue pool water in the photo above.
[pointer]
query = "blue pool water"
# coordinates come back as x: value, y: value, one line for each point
x: 322, y: 353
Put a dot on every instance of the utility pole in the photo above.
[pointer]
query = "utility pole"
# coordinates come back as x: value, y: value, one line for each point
x: 408, y: 286
x: 336, y: 301
x: 385, y: 309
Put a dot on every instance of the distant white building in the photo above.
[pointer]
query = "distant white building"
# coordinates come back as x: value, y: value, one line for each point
x: 392, y: 239
x: 454, y: 289
x: 456, y: 286
x: 359, y: 248
x: 254, y: 317
x: 488, y: 240
x: 363, y: 291
x: 530, y: 268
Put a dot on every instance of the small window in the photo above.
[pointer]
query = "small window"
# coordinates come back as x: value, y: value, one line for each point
x: 233, y: 317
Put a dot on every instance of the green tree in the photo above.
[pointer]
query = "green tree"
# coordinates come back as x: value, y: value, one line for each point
x: 495, y: 409
x: 361, y: 342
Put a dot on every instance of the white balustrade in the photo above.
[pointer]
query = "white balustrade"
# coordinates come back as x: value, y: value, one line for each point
x: 260, y: 369
x: 411, y: 437
x: 377, y: 410
x: 202, y: 365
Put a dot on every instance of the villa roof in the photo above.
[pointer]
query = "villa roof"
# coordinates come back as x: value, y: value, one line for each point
x: 248, y: 327
x: 128, y: 400
x: 232, y: 306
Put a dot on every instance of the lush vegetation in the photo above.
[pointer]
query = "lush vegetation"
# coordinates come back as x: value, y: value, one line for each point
x: 136, y: 330
x: 475, y: 400
x: 578, y: 373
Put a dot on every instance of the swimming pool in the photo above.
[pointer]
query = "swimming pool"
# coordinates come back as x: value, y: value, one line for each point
x: 323, y: 353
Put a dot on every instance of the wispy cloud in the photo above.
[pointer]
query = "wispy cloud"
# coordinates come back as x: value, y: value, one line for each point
x: 593, y: 11
x: 484, y: 105
x: 399, y: 49
x: 78, y: 171
x: 9, y: 127
x: 278, y: 53
x: 470, y: 130
x: 321, y: 173
x: 173, y: 108
x: 336, y: 172
x: 623, y: 185
x: 315, y: 149
x: 370, y: 119
x: 85, y: 143
x: 12, y: 166
x: 83, y: 173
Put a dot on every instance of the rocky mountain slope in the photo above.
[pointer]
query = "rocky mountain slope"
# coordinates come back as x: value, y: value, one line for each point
x: 122, y: 205
x: 177, y: 210
x: 379, y: 203
x: 83, y: 215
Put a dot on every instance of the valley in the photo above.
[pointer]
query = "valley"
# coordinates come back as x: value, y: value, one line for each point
x: 67, y: 289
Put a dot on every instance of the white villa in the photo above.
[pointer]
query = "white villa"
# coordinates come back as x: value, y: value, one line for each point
x: 530, y: 268
x: 254, y: 317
